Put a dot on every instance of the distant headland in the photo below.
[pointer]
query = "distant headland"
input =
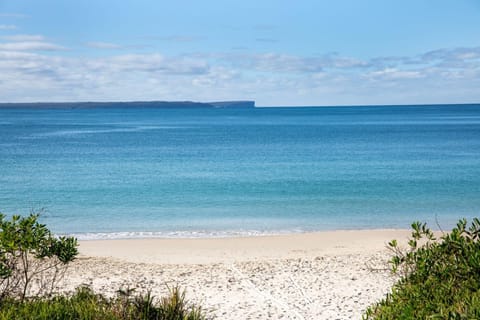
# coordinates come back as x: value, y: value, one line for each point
x: 133, y: 104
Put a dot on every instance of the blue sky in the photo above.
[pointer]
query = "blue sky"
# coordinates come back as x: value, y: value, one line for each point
x: 275, y: 52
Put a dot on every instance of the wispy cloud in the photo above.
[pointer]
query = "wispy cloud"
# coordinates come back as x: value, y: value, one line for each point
x: 452, y: 54
x: 264, y: 27
x: 445, y: 57
x: 7, y: 27
x: 176, y: 38
x: 155, y: 63
x: 13, y: 15
x: 444, y: 75
x: 24, y: 37
x: 30, y: 46
x: 239, y: 48
x: 267, y: 40
x: 394, y: 74
x: 103, y: 45
x: 28, y: 42
x: 274, y: 62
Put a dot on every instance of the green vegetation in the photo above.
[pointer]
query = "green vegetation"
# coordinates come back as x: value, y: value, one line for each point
x: 29, y: 253
x: 440, y: 279
x: 86, y: 305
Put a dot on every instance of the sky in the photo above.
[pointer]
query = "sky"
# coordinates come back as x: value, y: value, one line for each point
x: 276, y: 52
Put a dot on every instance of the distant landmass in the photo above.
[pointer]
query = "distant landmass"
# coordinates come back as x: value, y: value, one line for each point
x: 134, y: 104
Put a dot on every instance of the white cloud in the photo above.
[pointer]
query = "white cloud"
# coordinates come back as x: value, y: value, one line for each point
x: 24, y: 37
x: 26, y: 74
x: 103, y: 45
x: 176, y: 38
x: 275, y: 62
x: 30, y: 46
x: 264, y: 27
x: 266, y: 40
x: 7, y: 27
x: 12, y: 15
x: 395, y: 74
x: 152, y: 64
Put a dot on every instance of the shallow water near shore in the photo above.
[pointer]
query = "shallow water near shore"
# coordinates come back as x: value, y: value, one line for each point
x: 126, y: 173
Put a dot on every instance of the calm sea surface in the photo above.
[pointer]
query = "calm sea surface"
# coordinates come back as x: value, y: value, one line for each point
x: 119, y: 173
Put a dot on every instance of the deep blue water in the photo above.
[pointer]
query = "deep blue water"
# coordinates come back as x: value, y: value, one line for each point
x: 186, y: 172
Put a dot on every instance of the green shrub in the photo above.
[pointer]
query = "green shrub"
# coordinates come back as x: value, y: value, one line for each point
x: 29, y: 252
x: 440, y: 279
x: 86, y: 305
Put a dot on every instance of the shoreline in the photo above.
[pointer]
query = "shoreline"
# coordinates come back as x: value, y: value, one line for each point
x: 150, y: 235
x: 228, y: 249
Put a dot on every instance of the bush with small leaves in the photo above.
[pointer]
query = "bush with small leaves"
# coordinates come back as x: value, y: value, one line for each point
x: 30, y: 253
x: 440, y: 278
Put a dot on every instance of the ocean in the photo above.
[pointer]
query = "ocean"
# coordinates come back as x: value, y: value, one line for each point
x: 129, y: 173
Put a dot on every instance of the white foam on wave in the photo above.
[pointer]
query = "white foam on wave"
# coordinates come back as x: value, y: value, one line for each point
x: 178, y: 234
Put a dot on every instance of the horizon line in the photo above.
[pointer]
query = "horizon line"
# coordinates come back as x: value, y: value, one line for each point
x: 255, y: 106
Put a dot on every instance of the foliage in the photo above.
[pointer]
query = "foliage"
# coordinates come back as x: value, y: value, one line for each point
x: 86, y: 305
x: 175, y: 307
x: 30, y: 253
x: 440, y: 279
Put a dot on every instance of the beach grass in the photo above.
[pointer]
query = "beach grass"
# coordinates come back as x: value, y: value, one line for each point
x: 85, y: 304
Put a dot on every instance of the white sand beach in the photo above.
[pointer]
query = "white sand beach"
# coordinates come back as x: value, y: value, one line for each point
x: 323, y: 275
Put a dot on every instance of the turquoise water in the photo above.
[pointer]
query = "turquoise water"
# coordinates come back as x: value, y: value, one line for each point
x: 119, y: 173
